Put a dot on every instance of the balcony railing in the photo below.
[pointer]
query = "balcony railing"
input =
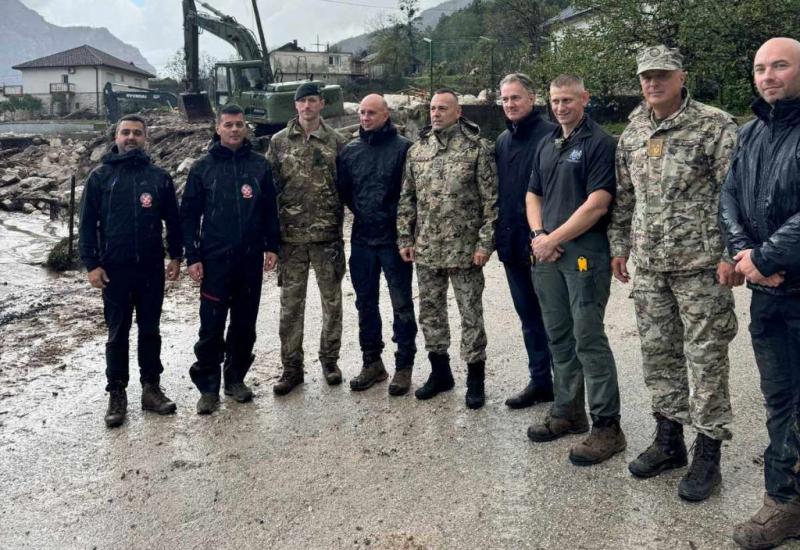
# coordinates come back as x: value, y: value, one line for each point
x: 11, y: 90
x: 62, y: 88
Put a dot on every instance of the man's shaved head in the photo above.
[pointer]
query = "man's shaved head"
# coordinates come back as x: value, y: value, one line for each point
x: 373, y: 112
x: 776, y: 69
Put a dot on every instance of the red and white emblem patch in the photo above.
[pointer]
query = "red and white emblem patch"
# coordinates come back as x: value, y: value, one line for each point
x: 247, y: 191
x: 146, y: 199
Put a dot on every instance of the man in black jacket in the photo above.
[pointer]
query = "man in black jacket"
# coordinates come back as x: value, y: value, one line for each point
x: 231, y: 234
x: 369, y: 178
x: 760, y: 214
x: 515, y: 150
x: 125, y: 200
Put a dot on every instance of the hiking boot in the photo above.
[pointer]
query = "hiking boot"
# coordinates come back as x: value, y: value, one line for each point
x: 117, y: 408
x: 207, y: 403
x: 704, y: 473
x: 774, y: 523
x: 605, y: 441
x: 333, y: 376
x: 401, y: 381
x: 530, y: 396
x: 554, y: 427
x: 476, y: 376
x: 153, y: 399
x: 668, y: 450
x: 371, y: 373
x: 289, y: 380
x: 440, y: 379
x: 240, y: 392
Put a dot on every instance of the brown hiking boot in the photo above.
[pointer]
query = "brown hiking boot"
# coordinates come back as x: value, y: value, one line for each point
x: 773, y: 523
x: 605, y: 441
x: 117, y: 408
x: 556, y: 426
x: 333, y: 376
x: 153, y: 399
x: 371, y: 373
x: 401, y: 381
x: 289, y: 380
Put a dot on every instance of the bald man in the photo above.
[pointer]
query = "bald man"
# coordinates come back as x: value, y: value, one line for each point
x: 760, y: 214
x: 370, y: 173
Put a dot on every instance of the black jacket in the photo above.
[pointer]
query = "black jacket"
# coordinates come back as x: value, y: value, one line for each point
x: 760, y: 202
x: 369, y: 179
x: 515, y: 150
x: 124, y: 202
x: 234, y: 195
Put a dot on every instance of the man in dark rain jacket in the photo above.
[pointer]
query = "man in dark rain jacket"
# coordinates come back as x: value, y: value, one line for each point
x: 760, y: 215
x: 231, y: 234
x: 125, y: 200
x: 369, y: 179
x: 514, y: 151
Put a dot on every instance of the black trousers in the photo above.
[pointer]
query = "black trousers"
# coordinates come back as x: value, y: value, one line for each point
x: 775, y: 331
x: 139, y: 287
x: 230, y: 284
x: 366, y: 264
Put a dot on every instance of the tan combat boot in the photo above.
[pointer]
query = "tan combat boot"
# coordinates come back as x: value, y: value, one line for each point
x: 401, y: 381
x: 555, y: 427
x: 371, y: 373
x: 289, y: 380
x: 605, y: 441
x: 773, y: 523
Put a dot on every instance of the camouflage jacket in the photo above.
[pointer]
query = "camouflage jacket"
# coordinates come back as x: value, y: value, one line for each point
x: 448, y: 204
x: 669, y: 178
x: 309, y: 207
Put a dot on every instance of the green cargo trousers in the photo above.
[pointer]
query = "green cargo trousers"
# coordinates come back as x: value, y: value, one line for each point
x: 573, y: 292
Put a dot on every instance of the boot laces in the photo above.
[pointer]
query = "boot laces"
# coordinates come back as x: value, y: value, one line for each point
x: 703, y: 453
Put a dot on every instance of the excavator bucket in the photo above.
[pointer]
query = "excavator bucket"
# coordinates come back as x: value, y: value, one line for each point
x: 196, y: 107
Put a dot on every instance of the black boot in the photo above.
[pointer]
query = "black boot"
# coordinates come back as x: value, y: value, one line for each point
x: 117, y: 407
x: 667, y: 451
x: 704, y: 473
x: 476, y: 374
x: 441, y: 378
x: 531, y: 395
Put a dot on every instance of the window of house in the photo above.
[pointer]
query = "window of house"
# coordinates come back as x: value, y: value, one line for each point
x: 138, y: 81
x: 122, y: 78
x: 77, y: 105
x: 65, y: 78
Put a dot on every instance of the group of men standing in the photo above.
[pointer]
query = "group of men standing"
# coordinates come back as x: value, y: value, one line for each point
x: 564, y: 204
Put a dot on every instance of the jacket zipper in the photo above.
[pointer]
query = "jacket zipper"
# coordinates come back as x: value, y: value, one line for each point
x: 135, y: 222
x: 237, y: 192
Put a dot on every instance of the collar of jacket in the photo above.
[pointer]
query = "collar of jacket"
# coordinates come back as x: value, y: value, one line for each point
x: 294, y: 130
x: 643, y: 113
x: 785, y: 112
x: 582, y: 130
x: 220, y: 151
x: 523, y: 128
x: 467, y: 127
x: 136, y: 156
x: 385, y: 132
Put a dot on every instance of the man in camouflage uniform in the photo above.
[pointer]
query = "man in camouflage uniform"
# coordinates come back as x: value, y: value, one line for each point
x: 303, y: 159
x: 671, y: 163
x: 445, y: 223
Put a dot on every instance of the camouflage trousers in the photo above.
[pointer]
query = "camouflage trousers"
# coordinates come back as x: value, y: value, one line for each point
x: 327, y: 259
x: 686, y: 321
x: 468, y: 288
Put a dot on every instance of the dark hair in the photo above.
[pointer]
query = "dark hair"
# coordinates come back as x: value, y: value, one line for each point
x: 229, y: 109
x: 524, y: 80
x: 450, y: 91
x: 131, y: 118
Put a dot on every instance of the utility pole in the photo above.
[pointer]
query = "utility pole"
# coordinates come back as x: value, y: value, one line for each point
x: 430, y: 62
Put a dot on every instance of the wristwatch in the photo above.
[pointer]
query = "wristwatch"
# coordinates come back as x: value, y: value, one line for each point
x: 536, y: 232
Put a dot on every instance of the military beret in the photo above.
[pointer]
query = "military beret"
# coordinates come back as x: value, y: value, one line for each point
x: 305, y: 90
x: 659, y: 58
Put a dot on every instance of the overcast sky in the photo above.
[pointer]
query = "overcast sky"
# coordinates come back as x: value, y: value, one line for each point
x: 154, y: 26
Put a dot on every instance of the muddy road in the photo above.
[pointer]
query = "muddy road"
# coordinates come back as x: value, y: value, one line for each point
x: 323, y: 467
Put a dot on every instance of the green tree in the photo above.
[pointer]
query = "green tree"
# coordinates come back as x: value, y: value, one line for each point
x: 22, y: 103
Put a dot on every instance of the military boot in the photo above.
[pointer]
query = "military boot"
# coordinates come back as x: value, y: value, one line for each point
x: 441, y: 378
x: 576, y: 422
x: 289, y: 380
x: 774, y: 523
x: 668, y: 450
x: 153, y: 399
x: 704, y: 473
x: 605, y: 441
x: 401, y: 381
x: 371, y: 373
x: 331, y: 372
x: 207, y: 403
x: 531, y: 395
x: 240, y: 391
x: 117, y: 407
x: 476, y: 376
